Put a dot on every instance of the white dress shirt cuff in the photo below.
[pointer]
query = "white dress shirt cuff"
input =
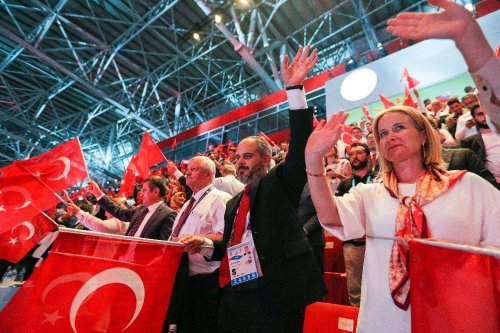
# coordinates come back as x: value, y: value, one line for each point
x: 207, y: 249
x: 296, y: 99
x: 178, y: 174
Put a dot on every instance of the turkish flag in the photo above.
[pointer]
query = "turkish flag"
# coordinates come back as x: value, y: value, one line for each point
x: 61, y: 167
x: 149, y: 153
x: 412, y: 83
x: 366, y: 112
x: 454, y: 288
x: 409, y: 99
x: 347, y: 138
x: 96, y: 291
x: 22, y: 196
x: 23, y: 237
x: 387, y: 102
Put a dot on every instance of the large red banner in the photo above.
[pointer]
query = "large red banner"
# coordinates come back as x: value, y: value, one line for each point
x: 454, y: 288
x: 113, y: 284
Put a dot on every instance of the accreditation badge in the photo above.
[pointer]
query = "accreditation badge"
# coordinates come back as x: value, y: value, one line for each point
x: 242, y: 267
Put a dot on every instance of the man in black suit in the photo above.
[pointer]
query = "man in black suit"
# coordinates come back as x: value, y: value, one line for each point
x: 153, y: 219
x: 288, y: 275
x: 464, y: 159
x: 476, y: 143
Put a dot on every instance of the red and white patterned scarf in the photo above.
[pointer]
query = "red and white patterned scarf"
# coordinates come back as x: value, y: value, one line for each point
x: 412, y: 223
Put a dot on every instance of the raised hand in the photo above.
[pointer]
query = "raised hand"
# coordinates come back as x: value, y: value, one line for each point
x: 451, y: 23
x: 294, y: 73
x: 323, y: 138
x: 171, y: 168
x: 72, y: 209
x: 455, y: 23
x: 95, y: 189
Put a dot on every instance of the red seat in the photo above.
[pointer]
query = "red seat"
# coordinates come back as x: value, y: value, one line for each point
x: 336, y: 285
x: 333, y: 260
x: 330, y: 318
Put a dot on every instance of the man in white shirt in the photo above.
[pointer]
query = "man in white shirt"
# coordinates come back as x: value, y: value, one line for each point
x: 228, y: 182
x: 203, y: 215
x: 465, y: 124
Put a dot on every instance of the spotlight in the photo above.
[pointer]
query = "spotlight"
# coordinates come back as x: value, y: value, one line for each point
x: 196, y: 36
x: 217, y: 18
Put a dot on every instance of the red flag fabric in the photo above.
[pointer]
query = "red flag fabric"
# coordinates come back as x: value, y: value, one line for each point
x: 346, y: 128
x: 498, y: 50
x: 23, y: 237
x: 96, y: 290
x: 61, y: 167
x: 438, y: 271
x: 127, y: 185
x: 174, y: 144
x: 315, y: 121
x: 149, y: 153
x: 347, y: 138
x: 366, y: 112
x: 22, y: 196
x: 404, y: 74
x: 387, y: 102
x: 265, y: 137
x: 412, y: 82
x: 230, y: 145
x: 409, y: 99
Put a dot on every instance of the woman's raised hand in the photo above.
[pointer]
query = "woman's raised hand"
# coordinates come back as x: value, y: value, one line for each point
x: 323, y: 138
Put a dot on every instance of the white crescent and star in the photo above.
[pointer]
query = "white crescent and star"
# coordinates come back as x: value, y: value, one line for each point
x: 31, y: 229
x: 25, y: 193
x: 67, y: 167
x: 81, y: 276
x: 120, y: 275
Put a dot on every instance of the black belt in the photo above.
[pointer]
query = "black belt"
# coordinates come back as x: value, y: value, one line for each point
x: 355, y: 242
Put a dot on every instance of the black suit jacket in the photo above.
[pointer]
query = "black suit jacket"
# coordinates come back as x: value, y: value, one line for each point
x: 308, y: 219
x: 476, y: 144
x: 466, y: 159
x: 290, y: 270
x: 159, y: 225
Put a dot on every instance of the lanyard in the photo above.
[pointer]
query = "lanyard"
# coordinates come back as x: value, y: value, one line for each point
x: 201, y: 198
x: 368, y: 179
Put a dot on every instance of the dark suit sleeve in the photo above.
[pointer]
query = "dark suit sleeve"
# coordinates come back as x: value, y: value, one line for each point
x: 166, y: 227
x: 475, y: 165
x: 294, y: 176
x: 189, y: 191
x: 344, y: 187
x: 124, y: 214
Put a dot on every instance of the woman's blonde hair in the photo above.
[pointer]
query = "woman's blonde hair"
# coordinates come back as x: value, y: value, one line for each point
x: 431, y: 149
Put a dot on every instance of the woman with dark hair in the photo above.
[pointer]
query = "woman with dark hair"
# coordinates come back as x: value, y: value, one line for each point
x: 417, y: 198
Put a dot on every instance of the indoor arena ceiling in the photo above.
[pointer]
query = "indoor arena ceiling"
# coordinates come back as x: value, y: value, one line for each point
x: 106, y: 71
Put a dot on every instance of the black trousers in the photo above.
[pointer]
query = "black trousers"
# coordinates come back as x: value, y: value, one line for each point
x: 252, y: 310
x: 204, y: 294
